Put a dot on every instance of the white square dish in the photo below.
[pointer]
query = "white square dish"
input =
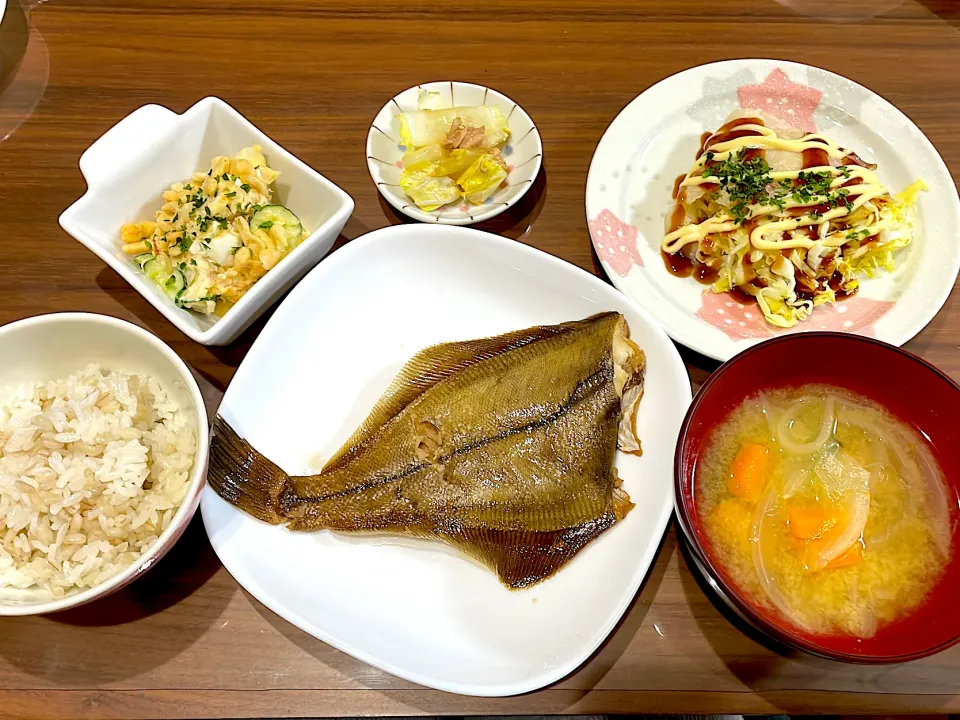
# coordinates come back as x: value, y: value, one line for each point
x: 412, y: 607
x: 128, y: 168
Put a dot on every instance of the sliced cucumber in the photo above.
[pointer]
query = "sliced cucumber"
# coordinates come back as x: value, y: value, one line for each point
x: 174, y: 284
x: 271, y: 215
x: 143, y: 259
x: 156, y: 269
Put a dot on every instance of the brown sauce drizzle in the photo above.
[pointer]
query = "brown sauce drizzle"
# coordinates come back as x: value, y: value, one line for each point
x: 728, y: 132
x: 815, y: 157
x: 741, y: 296
x: 676, y: 217
x: 703, y: 143
x: 680, y: 265
x: 677, y: 264
x: 706, y: 274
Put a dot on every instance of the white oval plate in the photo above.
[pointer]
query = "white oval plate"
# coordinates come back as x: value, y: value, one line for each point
x: 416, y: 609
x: 523, y: 153
x: 655, y: 138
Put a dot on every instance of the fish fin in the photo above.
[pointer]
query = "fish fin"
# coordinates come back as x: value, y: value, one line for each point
x: 520, y: 558
x: 433, y: 365
x: 242, y: 476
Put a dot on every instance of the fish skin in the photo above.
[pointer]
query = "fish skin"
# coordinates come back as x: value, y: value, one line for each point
x: 483, y: 444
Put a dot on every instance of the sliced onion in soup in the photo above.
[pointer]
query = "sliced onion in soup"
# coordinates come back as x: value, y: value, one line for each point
x: 786, y: 423
x: 764, y: 522
x: 847, y: 485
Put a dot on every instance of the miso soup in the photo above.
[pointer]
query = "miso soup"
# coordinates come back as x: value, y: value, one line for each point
x: 824, y: 507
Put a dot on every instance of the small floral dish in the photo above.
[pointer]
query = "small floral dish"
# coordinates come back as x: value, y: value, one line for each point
x: 520, y: 155
x: 141, y: 156
x: 631, y: 191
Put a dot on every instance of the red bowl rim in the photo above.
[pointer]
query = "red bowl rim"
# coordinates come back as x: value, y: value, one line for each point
x: 730, y: 593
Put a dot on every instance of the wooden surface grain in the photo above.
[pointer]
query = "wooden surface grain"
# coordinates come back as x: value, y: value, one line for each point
x: 186, y: 641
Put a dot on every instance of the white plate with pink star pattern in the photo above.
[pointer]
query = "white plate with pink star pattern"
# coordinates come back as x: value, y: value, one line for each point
x: 653, y: 140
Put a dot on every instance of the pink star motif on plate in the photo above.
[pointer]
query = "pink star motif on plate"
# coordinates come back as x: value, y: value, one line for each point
x: 791, y: 102
x: 741, y: 321
x: 615, y: 242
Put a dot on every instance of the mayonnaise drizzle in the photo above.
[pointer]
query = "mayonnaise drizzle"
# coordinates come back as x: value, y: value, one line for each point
x: 779, y: 220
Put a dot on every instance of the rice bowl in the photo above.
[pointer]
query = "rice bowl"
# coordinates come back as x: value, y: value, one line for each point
x: 103, y: 442
x: 92, y: 469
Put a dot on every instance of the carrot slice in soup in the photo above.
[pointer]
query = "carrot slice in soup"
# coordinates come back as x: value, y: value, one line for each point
x: 748, y: 474
x: 809, y: 522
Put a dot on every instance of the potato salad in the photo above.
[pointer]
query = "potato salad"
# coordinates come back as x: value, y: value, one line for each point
x: 216, y: 234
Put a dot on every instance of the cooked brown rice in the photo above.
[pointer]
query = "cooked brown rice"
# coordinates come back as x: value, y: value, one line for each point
x: 92, y: 470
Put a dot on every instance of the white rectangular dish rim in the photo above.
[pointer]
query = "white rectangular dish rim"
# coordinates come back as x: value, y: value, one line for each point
x: 129, y: 166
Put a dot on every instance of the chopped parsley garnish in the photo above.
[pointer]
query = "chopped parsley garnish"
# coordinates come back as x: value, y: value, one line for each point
x: 266, y: 225
x: 222, y: 223
x: 748, y: 182
x: 857, y: 234
x: 245, y: 187
x: 183, y: 243
x: 745, y: 181
x: 188, y: 186
x: 811, y: 185
x: 230, y: 194
x: 204, y: 224
x: 193, y: 261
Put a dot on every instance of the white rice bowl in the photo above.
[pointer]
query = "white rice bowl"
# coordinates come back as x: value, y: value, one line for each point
x: 93, y: 468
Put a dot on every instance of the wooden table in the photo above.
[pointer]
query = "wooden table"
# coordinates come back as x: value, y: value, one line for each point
x: 186, y: 641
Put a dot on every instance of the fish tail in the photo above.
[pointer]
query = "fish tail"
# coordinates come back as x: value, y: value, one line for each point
x: 244, y: 477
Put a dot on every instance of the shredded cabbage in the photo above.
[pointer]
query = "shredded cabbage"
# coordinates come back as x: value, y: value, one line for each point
x: 793, y: 237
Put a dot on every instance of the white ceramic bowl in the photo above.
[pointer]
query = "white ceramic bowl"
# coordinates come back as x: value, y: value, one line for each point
x: 47, y: 347
x: 523, y: 153
x: 413, y: 608
x: 141, y: 156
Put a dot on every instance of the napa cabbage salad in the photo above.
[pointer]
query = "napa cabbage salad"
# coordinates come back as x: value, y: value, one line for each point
x: 785, y: 218
x: 452, y: 153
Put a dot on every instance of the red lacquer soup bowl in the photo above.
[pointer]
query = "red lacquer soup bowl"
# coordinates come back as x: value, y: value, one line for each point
x: 908, y: 387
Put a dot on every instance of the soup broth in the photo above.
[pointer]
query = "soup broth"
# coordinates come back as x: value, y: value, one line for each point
x: 824, y: 507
